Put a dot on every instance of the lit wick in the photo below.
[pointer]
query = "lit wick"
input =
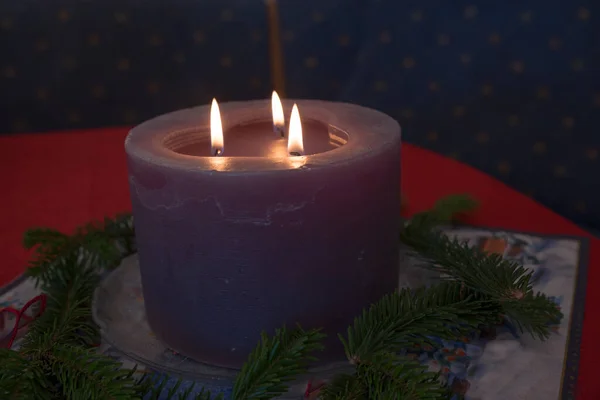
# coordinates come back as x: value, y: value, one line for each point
x: 278, y: 118
x: 295, y: 142
x: 279, y: 130
x: 216, y: 130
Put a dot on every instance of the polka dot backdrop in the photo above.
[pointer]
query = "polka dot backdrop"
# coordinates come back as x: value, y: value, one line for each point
x: 509, y: 88
x: 87, y: 63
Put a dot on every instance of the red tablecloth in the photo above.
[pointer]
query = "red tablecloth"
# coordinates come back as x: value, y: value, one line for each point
x: 65, y: 179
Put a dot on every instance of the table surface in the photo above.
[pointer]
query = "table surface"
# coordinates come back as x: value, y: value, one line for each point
x: 64, y: 179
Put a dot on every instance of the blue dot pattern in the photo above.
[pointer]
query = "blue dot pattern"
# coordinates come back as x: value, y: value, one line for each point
x: 509, y: 88
x: 78, y: 64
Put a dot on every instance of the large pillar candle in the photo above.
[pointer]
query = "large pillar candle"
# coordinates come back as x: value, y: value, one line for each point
x: 230, y: 246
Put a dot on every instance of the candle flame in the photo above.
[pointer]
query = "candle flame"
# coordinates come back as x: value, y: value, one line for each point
x: 295, y: 143
x: 278, y: 118
x: 216, y: 130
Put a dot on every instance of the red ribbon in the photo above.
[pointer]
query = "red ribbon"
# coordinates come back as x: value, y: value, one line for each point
x: 21, y: 319
x: 312, y: 390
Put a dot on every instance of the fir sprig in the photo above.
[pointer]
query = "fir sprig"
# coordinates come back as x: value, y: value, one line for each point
x: 99, y: 245
x: 409, y: 319
x: 84, y: 374
x: 445, y: 211
x: 504, y: 282
x: 275, y: 361
x: 387, y: 377
x: 22, y: 378
x: 67, y: 318
x: 344, y: 387
x: 406, y: 320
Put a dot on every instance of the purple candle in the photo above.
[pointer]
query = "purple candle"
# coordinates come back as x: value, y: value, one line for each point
x: 246, y: 241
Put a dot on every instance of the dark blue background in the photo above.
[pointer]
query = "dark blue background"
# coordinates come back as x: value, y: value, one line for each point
x: 512, y: 87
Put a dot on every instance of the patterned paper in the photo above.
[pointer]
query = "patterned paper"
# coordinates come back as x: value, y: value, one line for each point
x: 510, y: 365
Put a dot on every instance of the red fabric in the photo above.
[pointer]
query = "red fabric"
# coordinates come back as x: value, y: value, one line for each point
x: 65, y: 179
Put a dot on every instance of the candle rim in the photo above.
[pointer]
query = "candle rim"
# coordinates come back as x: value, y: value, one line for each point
x: 178, y: 139
x: 370, y: 132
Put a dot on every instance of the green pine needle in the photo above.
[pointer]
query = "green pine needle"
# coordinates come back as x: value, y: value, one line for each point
x: 391, y: 377
x: 275, y: 361
x: 344, y: 387
x: 100, y: 245
x: 386, y: 376
x: 67, y: 318
x: 505, y: 282
x: 446, y: 210
x: 534, y: 313
x: 46, y: 238
x: 85, y: 374
x: 450, y: 207
x: 408, y: 319
x: 21, y: 379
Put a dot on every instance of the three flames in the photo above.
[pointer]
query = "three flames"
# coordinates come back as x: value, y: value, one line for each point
x: 295, y: 144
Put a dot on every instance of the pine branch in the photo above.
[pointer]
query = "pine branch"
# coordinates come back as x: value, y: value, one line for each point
x: 446, y: 210
x: 67, y: 318
x: 275, y: 361
x: 409, y: 318
x: 67, y: 268
x: 488, y: 273
x: 386, y: 376
x: 85, y: 374
x: 344, y: 387
x: 533, y: 313
x: 21, y: 379
x: 507, y: 283
x: 50, y: 245
x: 100, y: 245
x: 121, y: 230
x: 392, y: 377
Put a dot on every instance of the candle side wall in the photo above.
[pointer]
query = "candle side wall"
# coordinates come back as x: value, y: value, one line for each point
x: 224, y: 257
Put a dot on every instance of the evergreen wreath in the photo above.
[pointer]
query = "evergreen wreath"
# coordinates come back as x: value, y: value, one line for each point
x: 57, y: 358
